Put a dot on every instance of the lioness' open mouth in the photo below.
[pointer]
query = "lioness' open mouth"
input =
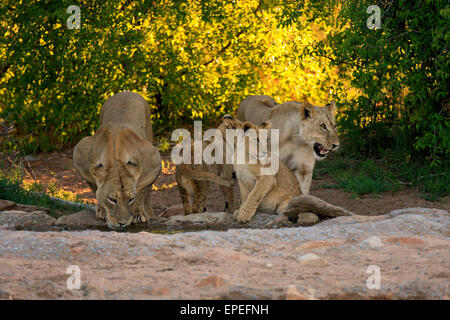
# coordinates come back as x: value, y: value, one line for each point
x: 320, y: 150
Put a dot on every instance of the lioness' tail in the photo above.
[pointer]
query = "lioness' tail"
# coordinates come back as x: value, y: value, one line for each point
x: 308, y: 203
x: 205, y: 176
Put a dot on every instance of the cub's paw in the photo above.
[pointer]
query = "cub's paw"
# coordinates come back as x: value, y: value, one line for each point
x: 139, y: 215
x: 100, y: 213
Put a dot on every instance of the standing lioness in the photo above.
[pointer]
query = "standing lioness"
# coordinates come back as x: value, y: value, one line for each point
x: 307, y: 132
x: 119, y: 162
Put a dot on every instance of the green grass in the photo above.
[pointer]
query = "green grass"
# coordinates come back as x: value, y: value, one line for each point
x: 12, y: 190
x: 374, y: 177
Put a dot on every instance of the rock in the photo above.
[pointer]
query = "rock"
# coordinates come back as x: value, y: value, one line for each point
x: 25, y: 220
x: 5, y: 295
x: 82, y: 219
x: 417, y: 210
x: 160, y: 291
x: 293, y: 294
x: 214, y: 281
x: 311, y: 259
x: 175, y: 210
x: 223, y: 220
x: 404, y: 240
x: 27, y: 208
x: 230, y: 255
x: 306, y: 219
x: 313, y: 245
x: 204, y: 218
x: 372, y: 242
x: 5, y: 204
x: 255, y: 264
x: 245, y: 293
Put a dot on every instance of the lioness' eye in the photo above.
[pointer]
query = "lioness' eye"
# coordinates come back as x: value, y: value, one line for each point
x: 100, y: 165
x: 323, y: 126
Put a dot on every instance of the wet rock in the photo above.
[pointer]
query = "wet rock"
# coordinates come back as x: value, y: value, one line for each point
x: 80, y: 220
x: 224, y: 220
x: 15, y: 219
x: 307, y: 219
x: 213, y: 219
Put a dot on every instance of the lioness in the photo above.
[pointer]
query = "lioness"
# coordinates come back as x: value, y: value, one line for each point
x: 119, y: 162
x: 193, y: 180
x: 307, y: 133
x: 276, y: 193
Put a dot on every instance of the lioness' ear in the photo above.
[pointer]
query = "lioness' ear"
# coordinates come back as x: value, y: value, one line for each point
x: 331, y: 107
x: 83, y: 158
x: 307, y: 111
x: 150, y: 163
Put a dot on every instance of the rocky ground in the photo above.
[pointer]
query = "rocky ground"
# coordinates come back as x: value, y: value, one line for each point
x: 335, y: 259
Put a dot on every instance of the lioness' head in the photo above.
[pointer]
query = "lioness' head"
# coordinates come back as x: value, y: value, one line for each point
x: 116, y: 171
x: 318, y: 128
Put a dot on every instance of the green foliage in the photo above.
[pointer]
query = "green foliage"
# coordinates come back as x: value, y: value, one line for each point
x: 11, y: 189
x: 190, y: 60
x: 364, y: 177
x: 369, y: 179
x: 400, y: 72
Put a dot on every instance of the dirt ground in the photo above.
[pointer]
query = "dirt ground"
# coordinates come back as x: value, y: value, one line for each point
x: 56, y: 168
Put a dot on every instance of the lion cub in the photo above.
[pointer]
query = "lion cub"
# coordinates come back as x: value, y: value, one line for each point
x: 271, y: 193
x: 193, y: 181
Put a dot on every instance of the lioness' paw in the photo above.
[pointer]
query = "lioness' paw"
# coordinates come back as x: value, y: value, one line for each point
x: 244, y: 216
x: 235, y: 213
x: 100, y: 213
x: 140, y: 216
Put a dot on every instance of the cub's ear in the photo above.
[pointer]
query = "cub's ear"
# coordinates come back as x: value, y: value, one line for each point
x: 230, y: 123
x: 227, y: 116
x: 247, y: 125
x: 331, y: 107
x: 307, y: 111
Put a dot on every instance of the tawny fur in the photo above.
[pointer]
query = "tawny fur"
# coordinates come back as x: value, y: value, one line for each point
x: 193, y: 182
x: 276, y: 194
x: 301, y: 126
x: 119, y: 162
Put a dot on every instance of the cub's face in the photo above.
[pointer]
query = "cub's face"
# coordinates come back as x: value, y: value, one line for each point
x: 318, y: 128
